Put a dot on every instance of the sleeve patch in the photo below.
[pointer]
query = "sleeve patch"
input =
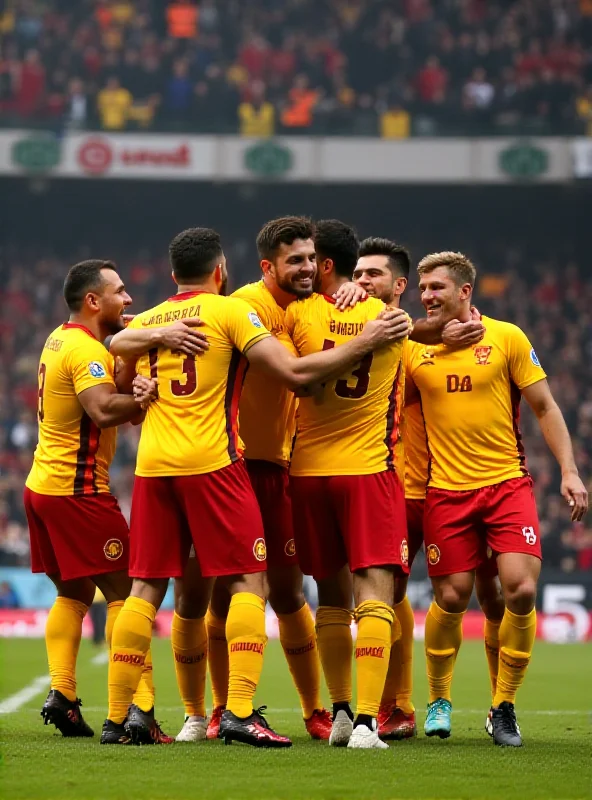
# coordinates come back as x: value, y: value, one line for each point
x: 255, y: 320
x: 534, y: 358
x: 96, y: 369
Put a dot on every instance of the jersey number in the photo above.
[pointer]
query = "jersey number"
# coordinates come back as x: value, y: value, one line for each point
x: 362, y: 373
x: 454, y: 383
x: 178, y: 388
x: 41, y: 376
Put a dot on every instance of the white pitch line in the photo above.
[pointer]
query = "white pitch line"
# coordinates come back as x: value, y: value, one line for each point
x: 38, y: 685
x: 16, y: 701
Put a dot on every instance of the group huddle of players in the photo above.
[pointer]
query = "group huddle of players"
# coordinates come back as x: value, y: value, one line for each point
x: 362, y: 437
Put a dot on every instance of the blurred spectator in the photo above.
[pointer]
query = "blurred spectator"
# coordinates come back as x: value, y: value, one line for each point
x: 8, y: 596
x: 584, y: 110
x: 257, y: 115
x: 113, y: 104
x: 76, y: 104
x: 506, y: 66
x: 395, y: 123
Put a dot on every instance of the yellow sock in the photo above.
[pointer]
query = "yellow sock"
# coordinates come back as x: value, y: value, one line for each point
x: 336, y: 649
x: 443, y: 637
x: 144, y: 695
x: 373, y: 648
x: 130, y: 645
x: 491, y: 638
x: 299, y: 641
x: 189, y: 641
x: 63, y: 632
x: 516, y: 636
x: 217, y: 658
x: 245, y: 631
x: 398, y: 686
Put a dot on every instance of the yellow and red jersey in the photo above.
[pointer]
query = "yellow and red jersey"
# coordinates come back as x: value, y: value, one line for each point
x: 353, y: 427
x: 193, y: 426
x: 470, y: 400
x: 414, y: 441
x: 267, y: 410
x: 73, y: 455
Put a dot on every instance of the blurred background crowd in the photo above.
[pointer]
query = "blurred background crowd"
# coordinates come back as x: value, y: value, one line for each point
x: 549, y: 298
x: 368, y: 67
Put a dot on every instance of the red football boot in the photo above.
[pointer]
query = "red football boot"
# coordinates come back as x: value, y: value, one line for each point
x: 319, y: 724
x: 214, y: 723
x: 393, y: 723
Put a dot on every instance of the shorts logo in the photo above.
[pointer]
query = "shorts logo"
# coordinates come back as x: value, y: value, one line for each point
x: 290, y: 547
x: 260, y: 550
x: 255, y: 320
x: 482, y: 355
x: 404, y: 553
x: 96, y: 369
x: 433, y: 554
x: 529, y: 535
x: 113, y: 549
x: 534, y: 358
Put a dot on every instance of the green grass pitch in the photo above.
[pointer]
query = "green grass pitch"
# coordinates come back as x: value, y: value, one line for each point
x: 554, y: 711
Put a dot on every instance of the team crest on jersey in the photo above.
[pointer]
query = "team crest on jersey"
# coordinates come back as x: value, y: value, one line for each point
x: 260, y: 550
x: 290, y: 547
x: 255, y: 319
x: 113, y: 549
x: 534, y: 358
x: 404, y: 553
x: 96, y: 369
x: 433, y: 554
x: 482, y: 354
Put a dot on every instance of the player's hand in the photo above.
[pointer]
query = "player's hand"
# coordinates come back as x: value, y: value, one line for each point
x: 348, y: 295
x: 574, y: 491
x: 463, y: 334
x: 391, y: 325
x: 182, y: 337
x: 475, y: 314
x: 145, y: 391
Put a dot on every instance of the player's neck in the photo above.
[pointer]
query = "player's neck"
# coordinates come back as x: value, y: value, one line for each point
x: 282, y: 298
x: 91, y: 324
x: 206, y: 286
x: 332, y: 284
x: 464, y: 315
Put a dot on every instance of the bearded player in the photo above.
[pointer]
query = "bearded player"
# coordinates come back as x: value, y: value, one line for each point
x: 480, y: 494
x: 191, y: 483
x: 79, y: 537
x: 383, y: 271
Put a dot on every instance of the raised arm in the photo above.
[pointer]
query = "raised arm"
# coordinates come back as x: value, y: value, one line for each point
x: 274, y: 358
x: 182, y: 336
x: 539, y: 398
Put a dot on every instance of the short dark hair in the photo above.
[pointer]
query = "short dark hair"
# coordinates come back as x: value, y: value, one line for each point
x: 283, y: 230
x: 194, y: 253
x: 398, y: 256
x: 82, y: 278
x: 335, y: 240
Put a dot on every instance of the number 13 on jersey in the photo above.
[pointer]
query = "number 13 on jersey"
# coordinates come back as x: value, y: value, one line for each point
x: 185, y: 385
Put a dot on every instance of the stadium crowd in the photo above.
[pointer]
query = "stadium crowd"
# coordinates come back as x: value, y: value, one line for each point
x: 378, y: 67
x: 553, y: 310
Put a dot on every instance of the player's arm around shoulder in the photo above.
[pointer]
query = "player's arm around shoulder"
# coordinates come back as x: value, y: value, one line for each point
x: 139, y: 337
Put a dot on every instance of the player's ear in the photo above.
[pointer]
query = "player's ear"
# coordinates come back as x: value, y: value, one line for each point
x: 91, y: 300
x: 400, y: 285
x: 174, y: 279
x: 466, y: 290
x: 265, y: 266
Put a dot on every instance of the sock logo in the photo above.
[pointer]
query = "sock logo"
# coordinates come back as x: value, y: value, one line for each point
x: 433, y: 554
x: 529, y: 535
x: 129, y: 658
x: 113, y: 549
x: 260, y: 550
x: 195, y: 659
x: 369, y: 652
x: 252, y: 647
x: 299, y: 651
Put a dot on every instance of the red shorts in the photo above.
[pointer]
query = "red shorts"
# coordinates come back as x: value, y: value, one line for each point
x: 76, y: 537
x: 216, y: 511
x: 460, y: 526
x: 415, y: 510
x: 349, y: 519
x: 271, y: 484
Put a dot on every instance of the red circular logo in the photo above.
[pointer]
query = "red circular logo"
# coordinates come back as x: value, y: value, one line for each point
x: 95, y: 156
